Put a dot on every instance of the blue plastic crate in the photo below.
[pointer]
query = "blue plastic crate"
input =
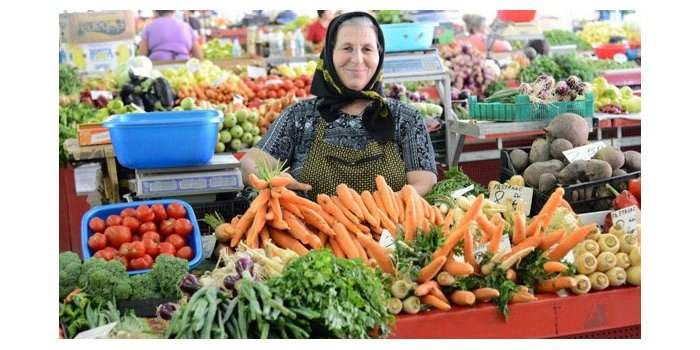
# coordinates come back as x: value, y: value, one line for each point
x: 164, y: 139
x: 408, y: 36
x: 194, y: 239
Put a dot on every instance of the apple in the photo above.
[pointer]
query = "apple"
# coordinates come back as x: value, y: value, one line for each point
x: 236, y: 132
x: 225, y: 136
x: 247, y: 138
x: 229, y: 120
x: 187, y: 103
x: 220, y: 147
x: 236, y: 145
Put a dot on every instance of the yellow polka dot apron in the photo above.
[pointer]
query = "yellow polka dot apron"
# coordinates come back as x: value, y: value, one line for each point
x: 328, y: 165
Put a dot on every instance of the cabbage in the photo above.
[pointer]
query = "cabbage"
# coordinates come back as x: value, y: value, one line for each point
x: 563, y: 218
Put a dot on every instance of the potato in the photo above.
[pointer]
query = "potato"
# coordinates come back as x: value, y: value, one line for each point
x: 534, y: 171
x: 572, y: 172
x: 547, y: 182
x: 557, y: 148
x: 633, y: 161
x: 539, y: 151
x: 569, y: 126
x: 519, y: 158
x: 612, y: 155
x: 597, y: 169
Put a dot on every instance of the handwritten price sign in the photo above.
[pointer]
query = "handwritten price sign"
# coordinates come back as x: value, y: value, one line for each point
x: 584, y: 152
x: 501, y: 192
x: 628, y: 218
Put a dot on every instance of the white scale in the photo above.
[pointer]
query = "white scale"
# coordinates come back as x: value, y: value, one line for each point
x: 221, y: 174
x: 412, y: 63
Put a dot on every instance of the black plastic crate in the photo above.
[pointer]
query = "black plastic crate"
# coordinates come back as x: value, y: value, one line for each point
x: 439, y: 140
x: 142, y: 308
x: 583, y: 197
x: 227, y: 208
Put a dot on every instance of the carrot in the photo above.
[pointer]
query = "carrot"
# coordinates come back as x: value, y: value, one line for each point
x: 552, y: 238
x: 511, y: 275
x: 534, y: 226
x: 496, y: 239
x: 554, y: 267
x: 550, y: 206
x: 315, y: 219
x: 347, y: 212
x: 264, y: 235
x: 337, y: 213
x: 277, y: 214
x: 486, y: 226
x: 554, y: 284
x: 486, y: 294
x: 348, y: 201
x: 446, y: 224
x: 568, y: 242
x: 435, y: 302
x: 410, y: 217
x: 458, y: 269
x: 242, y: 226
x: 519, y: 233
x: 529, y: 242
x: 429, y: 271
x: 324, y: 238
x: 425, y: 288
x: 256, y: 182
x: 360, y: 249
x: 368, y: 200
x: 290, y: 196
x: 565, y: 204
x: 377, y: 252
x: 387, y: 198
x: 298, y: 229
x: 256, y: 227
x: 462, y: 297
x: 378, y: 201
x: 429, y: 212
x: 269, y: 215
x: 400, y: 206
x: 463, y: 227
x: 292, y: 208
x: 439, y: 220
x: 336, y: 248
x: 284, y: 240
x: 373, y: 221
x: 234, y: 221
x: 469, y: 249
x: 522, y: 297
x: 437, y: 292
x: 315, y: 241
x: 280, y: 181
x: 345, y: 241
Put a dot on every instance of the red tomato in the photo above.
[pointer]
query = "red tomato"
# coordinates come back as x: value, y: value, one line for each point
x: 137, y: 249
x: 146, y: 227
x: 176, y: 211
x: 97, y: 225
x: 167, y: 227
x: 116, y: 235
x: 144, y: 213
x: 177, y: 241
x: 149, y: 261
x: 299, y: 83
x: 183, y: 227
x: 288, y: 85
x: 123, y: 260
x: 124, y: 249
x: 166, y: 248
x: 152, y: 235
x: 111, y: 249
x: 151, y: 247
x: 104, y: 254
x: 271, y: 94
x: 132, y: 223
x: 114, y: 220
x: 138, y: 264
x: 160, y: 212
x: 128, y: 212
x: 97, y: 241
x: 185, y: 253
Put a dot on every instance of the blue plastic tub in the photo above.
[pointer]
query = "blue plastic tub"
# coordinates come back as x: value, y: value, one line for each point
x: 164, y: 139
x: 408, y: 36
x: 194, y: 239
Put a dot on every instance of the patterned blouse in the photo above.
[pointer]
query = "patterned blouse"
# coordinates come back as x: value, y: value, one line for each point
x: 290, y: 137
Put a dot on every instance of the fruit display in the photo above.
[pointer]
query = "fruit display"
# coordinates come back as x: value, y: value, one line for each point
x: 137, y: 236
x: 272, y: 87
x: 239, y: 130
x: 217, y: 49
x: 270, y: 110
x: 599, y: 33
x: 106, y: 81
x: 296, y: 71
x: 613, y: 100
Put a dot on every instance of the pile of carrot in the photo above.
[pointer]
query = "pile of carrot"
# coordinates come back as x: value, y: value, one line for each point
x: 272, y: 109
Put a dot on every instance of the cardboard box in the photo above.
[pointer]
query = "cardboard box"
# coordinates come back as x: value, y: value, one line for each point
x: 97, y: 58
x: 93, y: 27
x: 93, y: 134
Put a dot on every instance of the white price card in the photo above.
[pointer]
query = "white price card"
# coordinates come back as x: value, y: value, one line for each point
x: 96, y: 333
x: 95, y: 94
x: 208, y: 245
x: 462, y: 191
x: 254, y: 72
x: 386, y: 240
x: 628, y: 218
x: 585, y: 152
x: 503, y: 246
x: 500, y: 192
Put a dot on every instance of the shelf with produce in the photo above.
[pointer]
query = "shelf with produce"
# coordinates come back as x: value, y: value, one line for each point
x: 548, y: 317
x: 621, y: 77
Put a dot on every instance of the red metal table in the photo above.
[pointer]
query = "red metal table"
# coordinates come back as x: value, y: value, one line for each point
x: 608, y: 314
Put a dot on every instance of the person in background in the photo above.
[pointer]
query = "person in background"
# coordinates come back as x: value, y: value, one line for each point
x: 316, y: 31
x: 478, y: 35
x: 350, y: 132
x: 167, y: 38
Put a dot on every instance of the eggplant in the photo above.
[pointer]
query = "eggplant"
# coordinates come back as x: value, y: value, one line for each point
x: 165, y: 92
x: 149, y: 101
x: 166, y: 311
x: 190, y: 284
x: 137, y: 100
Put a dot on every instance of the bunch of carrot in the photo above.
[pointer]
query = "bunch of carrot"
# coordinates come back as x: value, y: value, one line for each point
x: 272, y: 109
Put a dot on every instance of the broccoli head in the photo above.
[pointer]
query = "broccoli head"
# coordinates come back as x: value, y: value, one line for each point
x: 167, y: 272
x: 105, y: 280
x: 144, y: 287
x: 69, y: 266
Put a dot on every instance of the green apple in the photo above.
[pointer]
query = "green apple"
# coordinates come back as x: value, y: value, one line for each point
x: 236, y: 145
x: 255, y: 131
x: 247, y: 138
x: 187, y: 103
x: 229, y: 120
x: 115, y: 105
x: 241, y: 116
x: 256, y: 139
x: 225, y: 136
x: 220, y: 147
x: 253, y: 117
x: 236, y: 132
x: 247, y: 127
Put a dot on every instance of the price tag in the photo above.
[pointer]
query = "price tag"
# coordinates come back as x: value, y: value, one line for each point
x: 221, y: 79
x: 96, y: 333
x: 386, y: 240
x: 500, y: 192
x: 208, y: 245
x: 503, y: 246
x: 461, y: 192
x: 569, y: 257
x: 254, y: 72
x: 458, y: 258
x: 584, y: 152
x: 628, y: 218
x: 95, y: 94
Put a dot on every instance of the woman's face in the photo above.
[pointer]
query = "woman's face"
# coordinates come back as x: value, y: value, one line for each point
x: 355, y: 56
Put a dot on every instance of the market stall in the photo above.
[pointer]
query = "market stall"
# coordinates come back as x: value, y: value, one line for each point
x: 533, y: 229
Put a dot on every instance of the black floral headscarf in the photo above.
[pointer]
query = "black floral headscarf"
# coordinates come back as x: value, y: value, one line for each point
x: 334, y: 95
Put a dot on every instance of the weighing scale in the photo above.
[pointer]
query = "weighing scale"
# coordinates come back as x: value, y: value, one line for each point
x: 221, y: 174
x: 512, y: 31
x: 410, y: 65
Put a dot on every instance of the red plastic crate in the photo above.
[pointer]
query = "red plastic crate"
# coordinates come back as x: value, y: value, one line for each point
x: 608, y: 51
x: 516, y: 15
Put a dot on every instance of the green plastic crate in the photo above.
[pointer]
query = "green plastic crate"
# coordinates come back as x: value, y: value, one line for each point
x: 523, y: 110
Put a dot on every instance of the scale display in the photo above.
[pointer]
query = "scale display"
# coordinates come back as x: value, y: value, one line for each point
x: 421, y: 62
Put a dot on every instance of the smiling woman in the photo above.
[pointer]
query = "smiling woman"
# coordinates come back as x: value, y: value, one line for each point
x: 350, y: 133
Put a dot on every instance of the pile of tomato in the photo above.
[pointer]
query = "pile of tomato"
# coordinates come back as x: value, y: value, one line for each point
x: 136, y: 237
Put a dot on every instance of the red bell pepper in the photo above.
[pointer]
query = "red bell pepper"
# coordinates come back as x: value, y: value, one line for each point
x: 635, y: 187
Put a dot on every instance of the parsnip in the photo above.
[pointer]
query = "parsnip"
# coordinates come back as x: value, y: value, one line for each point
x: 583, y: 285
x: 606, y: 261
